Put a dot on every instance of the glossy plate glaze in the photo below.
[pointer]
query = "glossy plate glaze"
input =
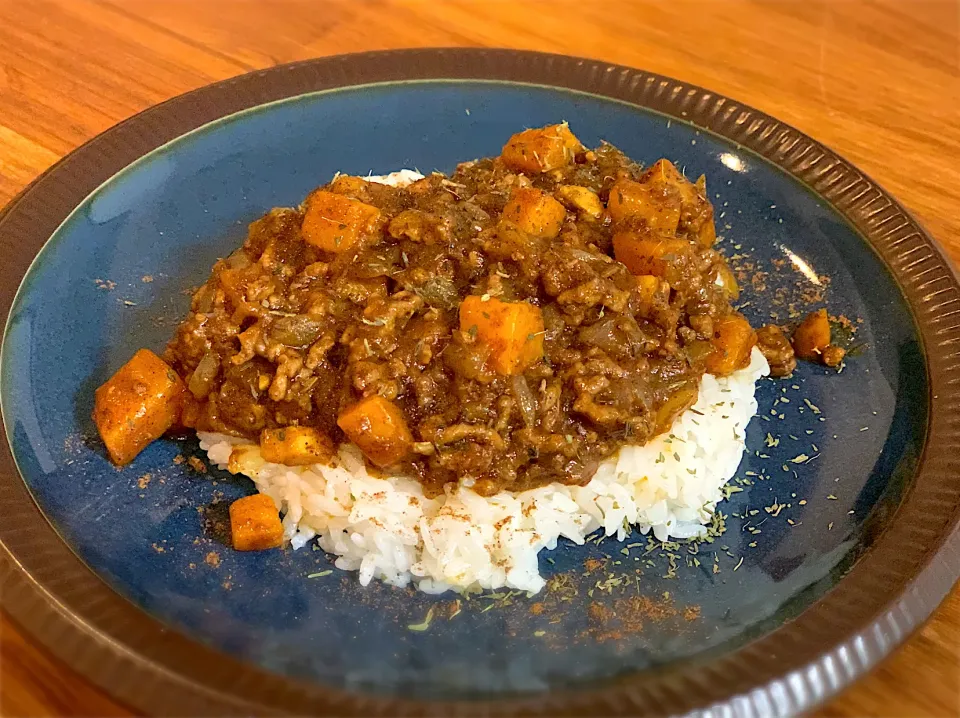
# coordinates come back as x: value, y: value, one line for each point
x: 829, y: 554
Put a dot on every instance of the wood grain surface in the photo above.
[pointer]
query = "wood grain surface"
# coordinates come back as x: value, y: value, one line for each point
x: 879, y: 82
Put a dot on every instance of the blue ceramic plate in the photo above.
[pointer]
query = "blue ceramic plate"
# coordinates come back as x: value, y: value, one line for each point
x: 838, y: 462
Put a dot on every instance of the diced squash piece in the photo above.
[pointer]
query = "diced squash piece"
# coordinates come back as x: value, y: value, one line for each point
x: 296, y: 446
x: 648, y: 255
x: 648, y: 284
x: 255, y: 523
x: 245, y: 459
x: 336, y: 223
x: 513, y: 331
x: 696, y: 212
x: 540, y: 150
x: 535, y: 212
x: 351, y: 186
x: 581, y: 199
x: 137, y: 405
x: 663, y: 174
x: 630, y: 199
x: 813, y: 335
x: 377, y: 426
x: 733, y: 340
x: 707, y: 236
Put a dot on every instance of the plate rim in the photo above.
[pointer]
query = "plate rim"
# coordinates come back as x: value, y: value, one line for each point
x: 893, y: 588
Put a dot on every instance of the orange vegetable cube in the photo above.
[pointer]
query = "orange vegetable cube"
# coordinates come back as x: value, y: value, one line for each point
x: 336, y: 223
x: 377, y: 426
x: 733, y: 340
x: 255, y: 523
x: 648, y: 254
x: 540, y: 150
x: 535, y: 212
x: 513, y: 331
x: 696, y: 212
x: 581, y: 199
x: 137, y: 405
x: 663, y: 174
x: 813, y: 335
x: 631, y: 199
x: 351, y: 186
x: 296, y: 446
x: 707, y: 236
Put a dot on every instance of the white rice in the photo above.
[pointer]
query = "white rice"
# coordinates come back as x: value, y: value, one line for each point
x: 387, y: 529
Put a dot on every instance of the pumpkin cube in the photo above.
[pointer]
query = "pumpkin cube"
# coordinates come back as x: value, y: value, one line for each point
x: 540, y: 150
x: 296, y: 446
x: 137, y: 405
x: 513, y: 331
x: 336, y: 223
x: 535, y: 212
x: 255, y: 523
x: 378, y: 427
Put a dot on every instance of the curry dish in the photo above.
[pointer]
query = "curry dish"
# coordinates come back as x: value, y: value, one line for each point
x: 507, y: 326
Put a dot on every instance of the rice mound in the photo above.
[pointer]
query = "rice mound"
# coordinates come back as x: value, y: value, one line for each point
x: 386, y: 528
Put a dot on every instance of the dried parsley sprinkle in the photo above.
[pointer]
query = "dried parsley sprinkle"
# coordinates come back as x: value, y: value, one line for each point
x: 799, y: 459
x: 539, y: 633
x: 321, y: 574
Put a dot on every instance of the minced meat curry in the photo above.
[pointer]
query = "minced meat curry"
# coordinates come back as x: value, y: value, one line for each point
x: 507, y: 326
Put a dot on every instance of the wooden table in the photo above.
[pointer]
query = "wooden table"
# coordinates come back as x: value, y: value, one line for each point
x: 877, y: 81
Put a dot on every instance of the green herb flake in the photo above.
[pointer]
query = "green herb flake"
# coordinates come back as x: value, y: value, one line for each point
x: 799, y: 459
x: 321, y: 574
x: 538, y: 634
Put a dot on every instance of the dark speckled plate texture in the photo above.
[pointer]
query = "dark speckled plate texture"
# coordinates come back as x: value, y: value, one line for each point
x: 842, y: 538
